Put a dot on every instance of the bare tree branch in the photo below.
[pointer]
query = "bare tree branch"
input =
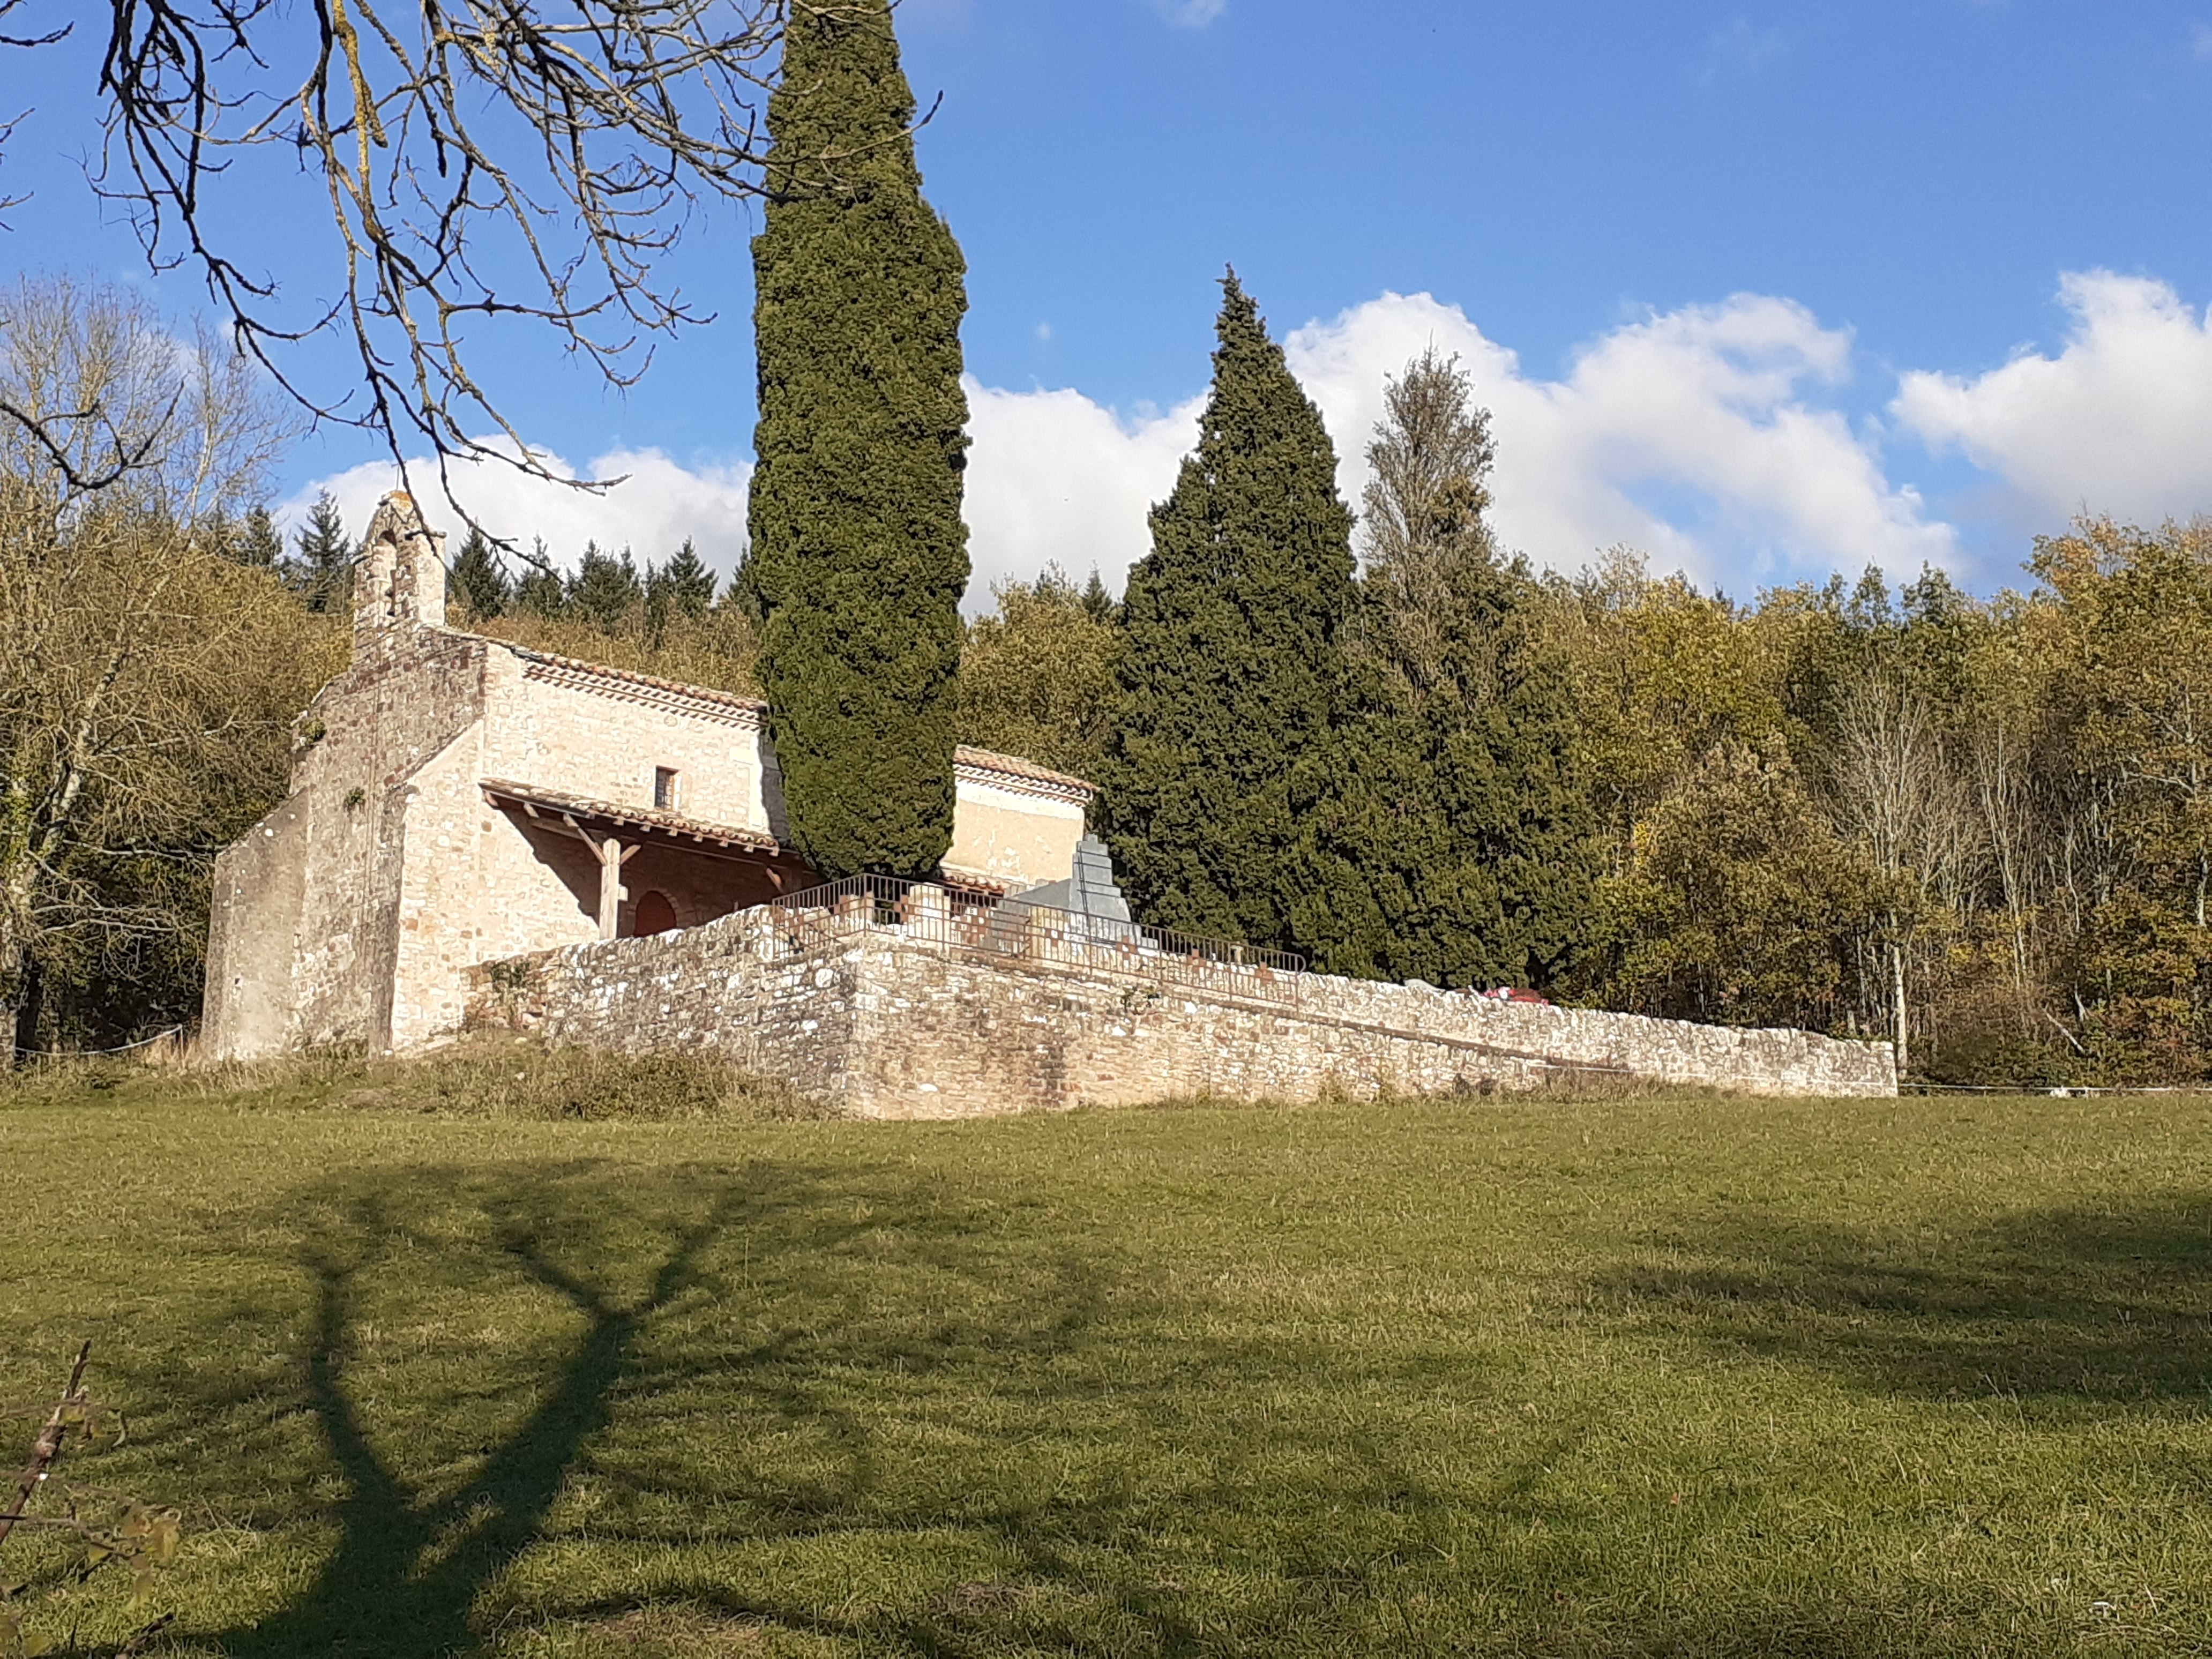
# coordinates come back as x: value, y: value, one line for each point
x: 482, y: 160
x: 48, y: 1446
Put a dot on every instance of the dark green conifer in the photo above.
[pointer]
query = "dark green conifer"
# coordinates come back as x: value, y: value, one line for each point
x: 478, y: 584
x: 606, y: 591
x: 223, y: 536
x: 323, y: 571
x: 260, y: 545
x: 541, y: 592
x: 684, y: 584
x: 1097, y: 603
x: 859, y: 556
x: 1234, y: 660
x: 1453, y: 836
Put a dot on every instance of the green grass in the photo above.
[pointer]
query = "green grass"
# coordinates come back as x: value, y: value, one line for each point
x: 1651, y: 1376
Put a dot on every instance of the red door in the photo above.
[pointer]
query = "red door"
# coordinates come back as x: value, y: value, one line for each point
x: 655, y: 915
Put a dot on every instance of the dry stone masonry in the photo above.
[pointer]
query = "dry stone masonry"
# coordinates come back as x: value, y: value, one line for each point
x: 898, y: 1019
x: 456, y: 800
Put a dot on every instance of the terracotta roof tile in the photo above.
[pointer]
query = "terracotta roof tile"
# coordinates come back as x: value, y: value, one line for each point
x: 631, y: 677
x: 554, y: 801
x: 1013, y: 766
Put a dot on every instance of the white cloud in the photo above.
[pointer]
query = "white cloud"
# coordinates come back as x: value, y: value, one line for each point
x: 658, y: 505
x: 1191, y: 14
x: 2200, y: 40
x: 1700, y: 410
x: 1687, y: 434
x: 1053, y: 475
x: 2119, y: 421
x: 1740, y: 49
x: 1706, y: 436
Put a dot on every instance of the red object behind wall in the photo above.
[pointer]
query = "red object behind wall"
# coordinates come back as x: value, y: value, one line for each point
x: 655, y: 915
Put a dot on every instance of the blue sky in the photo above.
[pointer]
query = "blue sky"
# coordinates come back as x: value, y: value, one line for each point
x: 1766, y: 289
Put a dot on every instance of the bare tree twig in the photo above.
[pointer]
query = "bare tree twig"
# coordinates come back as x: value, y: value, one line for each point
x: 482, y: 160
x: 46, y: 1451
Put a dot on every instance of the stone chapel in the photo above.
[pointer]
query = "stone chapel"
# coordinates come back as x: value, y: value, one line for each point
x: 456, y: 800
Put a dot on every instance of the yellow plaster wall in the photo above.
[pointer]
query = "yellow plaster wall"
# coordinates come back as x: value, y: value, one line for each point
x: 1011, y: 836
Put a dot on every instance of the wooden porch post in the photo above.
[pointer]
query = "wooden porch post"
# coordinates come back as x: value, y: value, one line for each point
x: 612, y: 856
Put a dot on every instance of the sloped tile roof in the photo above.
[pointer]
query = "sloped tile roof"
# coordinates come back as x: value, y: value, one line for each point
x: 647, y: 817
x: 631, y: 677
x: 1012, y: 766
x: 983, y: 760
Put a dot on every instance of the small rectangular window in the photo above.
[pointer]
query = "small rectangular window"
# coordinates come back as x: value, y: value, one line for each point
x: 664, y: 788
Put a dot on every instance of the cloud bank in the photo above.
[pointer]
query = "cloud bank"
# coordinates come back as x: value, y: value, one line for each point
x: 657, y: 506
x: 2119, y: 421
x: 1689, y: 435
x: 1707, y: 436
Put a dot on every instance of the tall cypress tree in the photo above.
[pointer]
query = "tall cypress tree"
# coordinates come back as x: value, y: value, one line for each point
x: 1233, y: 658
x: 859, y: 555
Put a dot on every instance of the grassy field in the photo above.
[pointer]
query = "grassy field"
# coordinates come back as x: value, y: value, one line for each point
x: 1652, y: 1376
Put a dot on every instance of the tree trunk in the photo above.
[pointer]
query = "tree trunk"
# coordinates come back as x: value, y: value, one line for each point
x: 1897, y: 983
x: 14, y: 998
x: 30, y: 1007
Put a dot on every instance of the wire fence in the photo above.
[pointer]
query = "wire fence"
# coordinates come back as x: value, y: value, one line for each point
x: 97, y: 1053
x: 2056, y: 1090
x: 1008, y: 929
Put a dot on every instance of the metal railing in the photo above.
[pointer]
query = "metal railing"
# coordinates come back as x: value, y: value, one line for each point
x: 1009, y: 929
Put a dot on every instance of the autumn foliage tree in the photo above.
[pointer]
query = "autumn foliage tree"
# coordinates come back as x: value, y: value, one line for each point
x: 1038, y: 673
x: 147, y: 679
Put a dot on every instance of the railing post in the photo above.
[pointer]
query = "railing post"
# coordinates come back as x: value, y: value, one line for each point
x: 924, y: 902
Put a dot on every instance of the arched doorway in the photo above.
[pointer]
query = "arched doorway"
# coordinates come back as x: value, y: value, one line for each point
x: 655, y: 915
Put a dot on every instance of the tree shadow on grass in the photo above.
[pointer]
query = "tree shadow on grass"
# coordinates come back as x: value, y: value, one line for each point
x: 757, y: 1395
x: 2109, y: 1303
x: 407, y: 1572
x: 773, y: 1364
x: 420, y: 1553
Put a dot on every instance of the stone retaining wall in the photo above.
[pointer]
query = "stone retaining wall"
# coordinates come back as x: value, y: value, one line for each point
x: 883, y: 1021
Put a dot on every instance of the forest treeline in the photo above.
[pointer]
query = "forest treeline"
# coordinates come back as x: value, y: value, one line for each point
x: 1979, y: 824
x: 1840, y: 801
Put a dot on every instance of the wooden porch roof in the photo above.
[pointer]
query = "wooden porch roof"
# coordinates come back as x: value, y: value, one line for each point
x: 577, y: 815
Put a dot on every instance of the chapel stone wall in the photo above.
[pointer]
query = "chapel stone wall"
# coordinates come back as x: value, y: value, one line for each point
x: 880, y: 1023
x: 307, y: 904
x: 1023, y: 838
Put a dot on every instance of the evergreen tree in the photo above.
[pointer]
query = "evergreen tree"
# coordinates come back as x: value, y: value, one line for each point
x: 1097, y: 603
x: 859, y: 557
x: 259, y: 544
x: 1455, y: 828
x: 682, y: 587
x: 478, y: 581
x: 687, y: 583
x: 606, y: 591
x: 324, y: 568
x: 541, y: 592
x: 221, y: 535
x: 1233, y: 656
